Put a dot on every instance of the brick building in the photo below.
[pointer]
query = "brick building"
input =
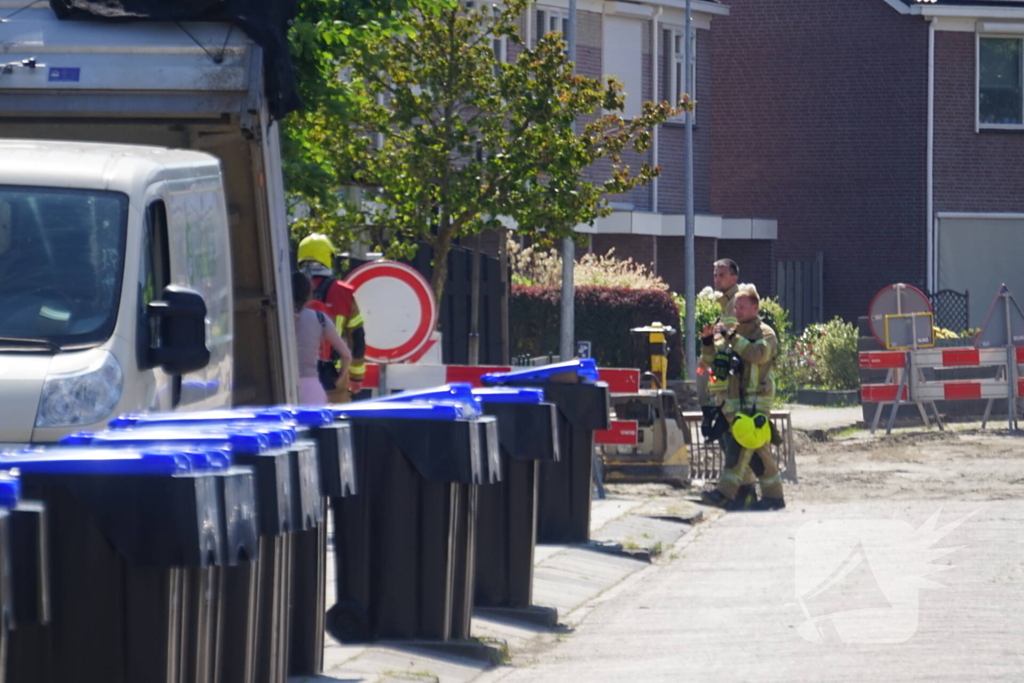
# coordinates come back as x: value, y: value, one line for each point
x: 887, y: 134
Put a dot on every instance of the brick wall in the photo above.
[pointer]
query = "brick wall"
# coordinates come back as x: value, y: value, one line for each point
x: 672, y: 259
x: 640, y: 248
x: 754, y: 257
x: 973, y: 171
x: 672, y: 138
x: 820, y: 111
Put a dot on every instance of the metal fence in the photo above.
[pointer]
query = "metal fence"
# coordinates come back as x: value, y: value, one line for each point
x: 706, y: 458
x: 952, y: 309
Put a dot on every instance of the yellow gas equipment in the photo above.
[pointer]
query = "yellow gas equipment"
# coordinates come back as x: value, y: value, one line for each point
x: 648, y: 440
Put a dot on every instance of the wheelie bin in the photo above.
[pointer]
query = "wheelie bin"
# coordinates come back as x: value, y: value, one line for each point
x: 336, y: 478
x: 464, y: 561
x: 126, y: 530
x: 507, y: 511
x: 9, y: 552
x: 256, y: 632
x: 397, y: 541
x: 563, y: 504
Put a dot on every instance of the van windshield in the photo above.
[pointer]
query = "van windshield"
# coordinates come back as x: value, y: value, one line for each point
x: 61, y: 257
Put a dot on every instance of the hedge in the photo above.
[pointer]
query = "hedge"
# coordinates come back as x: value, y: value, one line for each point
x: 604, y: 316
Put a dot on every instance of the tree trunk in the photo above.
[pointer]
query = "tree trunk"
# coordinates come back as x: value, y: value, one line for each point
x: 439, y: 276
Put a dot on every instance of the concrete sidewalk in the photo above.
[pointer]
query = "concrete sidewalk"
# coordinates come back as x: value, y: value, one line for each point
x: 626, y: 530
x: 727, y: 608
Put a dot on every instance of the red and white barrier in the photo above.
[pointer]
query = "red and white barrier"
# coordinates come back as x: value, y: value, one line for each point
x: 905, y: 381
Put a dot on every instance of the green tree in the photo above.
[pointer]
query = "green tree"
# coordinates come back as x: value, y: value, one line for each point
x: 322, y: 34
x: 445, y: 138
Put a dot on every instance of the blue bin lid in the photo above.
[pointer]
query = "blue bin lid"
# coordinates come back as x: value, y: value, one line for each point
x: 10, y: 490
x: 309, y: 416
x: 239, y: 442
x: 404, y: 411
x: 98, y: 461
x: 459, y: 392
x: 268, y: 415
x: 510, y: 395
x: 585, y: 369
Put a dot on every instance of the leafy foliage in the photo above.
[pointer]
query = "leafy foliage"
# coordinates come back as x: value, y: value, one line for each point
x: 604, y: 316
x: 444, y: 138
x: 835, y: 354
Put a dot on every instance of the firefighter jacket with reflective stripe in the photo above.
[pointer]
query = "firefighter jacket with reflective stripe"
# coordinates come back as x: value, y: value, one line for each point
x: 754, y: 386
x: 340, y: 304
x: 727, y: 300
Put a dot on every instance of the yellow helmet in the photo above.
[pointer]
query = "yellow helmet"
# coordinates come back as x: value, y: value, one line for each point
x: 751, y: 432
x: 317, y: 247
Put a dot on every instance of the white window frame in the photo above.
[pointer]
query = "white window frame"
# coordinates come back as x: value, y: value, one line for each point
x: 677, y: 64
x: 978, y: 125
x: 560, y: 16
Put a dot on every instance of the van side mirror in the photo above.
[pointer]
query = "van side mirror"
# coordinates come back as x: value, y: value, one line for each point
x: 181, y: 320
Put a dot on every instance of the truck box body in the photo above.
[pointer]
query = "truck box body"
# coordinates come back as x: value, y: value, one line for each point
x: 185, y: 87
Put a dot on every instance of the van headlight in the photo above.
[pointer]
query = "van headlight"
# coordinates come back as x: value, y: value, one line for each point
x: 83, y: 397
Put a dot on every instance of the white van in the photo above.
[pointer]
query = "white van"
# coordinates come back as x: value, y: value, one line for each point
x: 115, y: 283
x: 102, y: 218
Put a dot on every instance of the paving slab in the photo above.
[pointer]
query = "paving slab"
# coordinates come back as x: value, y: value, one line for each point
x: 826, y: 592
x: 565, y: 578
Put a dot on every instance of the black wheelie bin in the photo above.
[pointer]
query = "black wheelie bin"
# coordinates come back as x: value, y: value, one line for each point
x: 397, y: 542
x: 563, y: 506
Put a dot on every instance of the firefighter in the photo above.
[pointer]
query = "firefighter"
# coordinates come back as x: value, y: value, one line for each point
x: 749, y: 398
x: 337, y: 300
x: 712, y: 386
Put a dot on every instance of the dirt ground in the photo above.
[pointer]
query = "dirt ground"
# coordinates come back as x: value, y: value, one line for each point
x: 961, y: 463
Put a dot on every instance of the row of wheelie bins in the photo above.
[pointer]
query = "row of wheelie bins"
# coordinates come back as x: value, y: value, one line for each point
x: 180, y: 547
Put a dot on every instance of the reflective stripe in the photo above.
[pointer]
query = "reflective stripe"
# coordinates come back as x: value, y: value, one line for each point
x: 741, y: 344
x: 755, y: 374
x: 356, y: 321
x: 768, y: 481
x: 339, y: 325
x: 728, y: 476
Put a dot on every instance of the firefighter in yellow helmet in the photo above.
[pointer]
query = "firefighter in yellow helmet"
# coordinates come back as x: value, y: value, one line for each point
x: 337, y: 300
x: 749, y: 399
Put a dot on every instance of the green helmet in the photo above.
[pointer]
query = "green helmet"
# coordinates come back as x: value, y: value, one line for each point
x: 751, y: 432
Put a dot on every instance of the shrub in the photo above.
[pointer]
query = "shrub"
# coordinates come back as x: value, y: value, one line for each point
x: 604, y: 316
x: 707, y: 312
x: 835, y: 355
x: 538, y: 267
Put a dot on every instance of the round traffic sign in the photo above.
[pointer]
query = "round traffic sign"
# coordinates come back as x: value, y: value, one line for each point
x: 398, y: 308
x: 898, y: 299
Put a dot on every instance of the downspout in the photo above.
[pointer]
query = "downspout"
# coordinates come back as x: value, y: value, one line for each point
x: 655, y: 45
x: 930, y: 163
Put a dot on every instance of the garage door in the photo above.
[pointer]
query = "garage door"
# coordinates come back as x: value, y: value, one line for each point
x: 979, y: 254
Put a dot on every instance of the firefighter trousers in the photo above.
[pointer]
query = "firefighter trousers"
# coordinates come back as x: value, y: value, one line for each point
x: 747, y: 463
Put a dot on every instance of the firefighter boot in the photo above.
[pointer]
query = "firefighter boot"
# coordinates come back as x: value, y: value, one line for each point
x: 746, y: 499
x: 767, y: 503
x: 716, y: 498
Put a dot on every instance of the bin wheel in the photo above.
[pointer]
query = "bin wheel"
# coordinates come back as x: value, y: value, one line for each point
x: 347, y: 622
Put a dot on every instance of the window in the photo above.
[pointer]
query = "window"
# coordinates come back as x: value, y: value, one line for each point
x: 154, y: 275
x: 61, y: 262
x: 552, y: 21
x: 677, y: 80
x: 622, y: 57
x: 1000, y: 95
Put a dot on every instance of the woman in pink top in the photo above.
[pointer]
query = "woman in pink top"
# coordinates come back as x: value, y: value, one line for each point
x: 311, y: 329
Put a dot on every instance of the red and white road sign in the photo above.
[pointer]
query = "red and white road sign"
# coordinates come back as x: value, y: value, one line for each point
x: 398, y: 307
